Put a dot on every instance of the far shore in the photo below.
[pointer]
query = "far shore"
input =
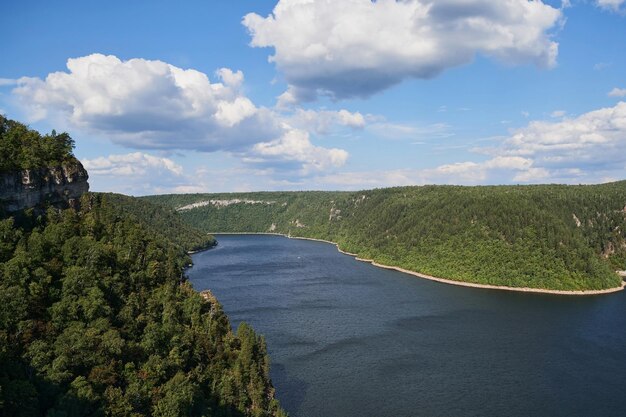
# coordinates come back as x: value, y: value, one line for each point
x: 444, y: 280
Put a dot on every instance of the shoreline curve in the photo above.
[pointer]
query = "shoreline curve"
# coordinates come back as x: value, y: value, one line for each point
x: 442, y: 280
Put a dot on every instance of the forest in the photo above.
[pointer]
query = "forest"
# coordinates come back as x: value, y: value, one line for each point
x: 545, y: 236
x: 97, y: 317
x: 23, y: 148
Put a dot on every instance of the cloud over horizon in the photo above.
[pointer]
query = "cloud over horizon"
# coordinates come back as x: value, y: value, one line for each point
x: 136, y: 163
x: 134, y: 173
x: 588, y: 148
x: 151, y: 105
x: 585, y: 148
x: 356, y: 48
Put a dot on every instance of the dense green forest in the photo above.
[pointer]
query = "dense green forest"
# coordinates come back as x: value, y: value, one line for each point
x: 97, y: 317
x: 24, y: 148
x: 547, y: 236
x: 164, y: 223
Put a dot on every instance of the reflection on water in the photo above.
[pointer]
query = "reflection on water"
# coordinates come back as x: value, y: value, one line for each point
x: 349, y: 339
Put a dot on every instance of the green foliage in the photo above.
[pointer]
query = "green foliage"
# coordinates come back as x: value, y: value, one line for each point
x: 164, y: 223
x: 520, y: 236
x: 23, y: 148
x: 97, y: 318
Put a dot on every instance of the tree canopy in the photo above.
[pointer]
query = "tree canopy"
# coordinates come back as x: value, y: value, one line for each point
x: 98, y: 319
x: 24, y: 148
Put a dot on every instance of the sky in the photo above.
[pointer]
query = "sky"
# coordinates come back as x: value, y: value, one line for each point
x: 231, y: 96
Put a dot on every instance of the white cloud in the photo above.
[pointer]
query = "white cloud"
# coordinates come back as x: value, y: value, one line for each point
x: 145, y: 104
x: 7, y: 81
x: 324, y: 121
x: 613, y: 5
x: 558, y: 114
x: 132, y: 164
x: 617, y: 92
x: 532, y: 175
x: 579, y: 149
x: 296, y: 147
x: 230, y: 78
x: 150, y: 104
x: 476, y: 172
x: 588, y: 148
x: 593, y: 137
x: 134, y: 173
x: 464, y: 173
x: 139, y: 173
x: 355, y: 48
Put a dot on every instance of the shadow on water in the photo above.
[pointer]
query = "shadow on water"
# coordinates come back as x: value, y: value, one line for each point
x: 297, y: 389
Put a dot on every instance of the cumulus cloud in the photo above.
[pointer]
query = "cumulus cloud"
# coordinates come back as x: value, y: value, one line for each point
x: 355, y: 48
x: 132, y: 164
x: 134, y: 173
x: 150, y: 104
x: 325, y: 121
x: 617, y: 92
x: 577, y: 148
x: 584, y: 149
x: 476, y: 172
x: 613, y: 5
x: 464, y: 173
x: 294, y: 150
x: 146, y: 104
x: 588, y: 137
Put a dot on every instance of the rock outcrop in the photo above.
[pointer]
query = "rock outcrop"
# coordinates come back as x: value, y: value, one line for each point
x: 59, y: 186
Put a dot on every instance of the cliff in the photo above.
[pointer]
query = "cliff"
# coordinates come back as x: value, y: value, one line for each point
x: 60, y: 186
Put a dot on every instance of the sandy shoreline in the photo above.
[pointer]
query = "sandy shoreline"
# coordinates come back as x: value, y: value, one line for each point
x: 447, y: 281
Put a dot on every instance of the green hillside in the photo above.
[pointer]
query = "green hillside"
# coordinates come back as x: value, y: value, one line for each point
x: 160, y: 221
x: 547, y: 236
x: 97, y: 317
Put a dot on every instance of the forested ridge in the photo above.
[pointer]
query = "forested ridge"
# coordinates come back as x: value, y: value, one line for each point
x: 24, y: 148
x: 97, y: 317
x: 164, y: 223
x: 546, y: 236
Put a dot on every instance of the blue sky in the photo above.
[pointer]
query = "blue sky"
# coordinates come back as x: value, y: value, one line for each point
x: 299, y: 94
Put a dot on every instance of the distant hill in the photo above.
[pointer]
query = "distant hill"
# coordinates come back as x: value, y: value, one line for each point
x: 546, y: 236
x: 163, y: 222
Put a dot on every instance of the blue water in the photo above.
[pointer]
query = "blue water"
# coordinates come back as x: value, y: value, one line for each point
x: 349, y: 339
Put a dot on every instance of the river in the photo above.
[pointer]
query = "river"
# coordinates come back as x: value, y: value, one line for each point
x: 350, y: 339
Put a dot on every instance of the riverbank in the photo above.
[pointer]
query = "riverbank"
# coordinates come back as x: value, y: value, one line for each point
x: 214, y: 244
x: 444, y: 280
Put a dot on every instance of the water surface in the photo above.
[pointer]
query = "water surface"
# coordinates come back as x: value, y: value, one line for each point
x: 349, y: 339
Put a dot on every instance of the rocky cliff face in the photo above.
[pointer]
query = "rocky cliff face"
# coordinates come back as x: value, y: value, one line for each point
x: 60, y: 186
